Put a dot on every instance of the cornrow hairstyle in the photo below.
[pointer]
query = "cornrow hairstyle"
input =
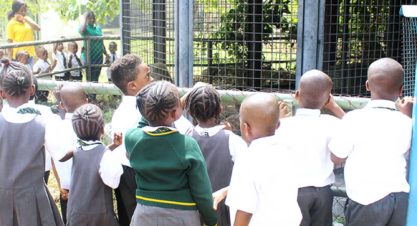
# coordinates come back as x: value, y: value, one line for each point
x: 15, y: 78
x: 124, y: 70
x: 203, y: 103
x: 88, y: 122
x: 156, y: 100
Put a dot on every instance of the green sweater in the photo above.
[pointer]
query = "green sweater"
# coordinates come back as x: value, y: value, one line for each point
x: 170, y: 171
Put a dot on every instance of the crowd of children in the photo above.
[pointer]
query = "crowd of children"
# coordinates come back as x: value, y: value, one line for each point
x: 166, y: 171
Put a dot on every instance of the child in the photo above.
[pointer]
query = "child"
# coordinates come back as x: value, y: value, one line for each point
x: 376, y: 140
x: 95, y: 171
x: 263, y: 189
x: 72, y: 96
x: 24, y: 197
x: 172, y: 179
x: 60, y: 62
x: 74, y: 62
x: 23, y: 58
x: 130, y: 74
x: 111, y: 58
x: 42, y: 66
x: 307, y: 135
x: 219, y: 146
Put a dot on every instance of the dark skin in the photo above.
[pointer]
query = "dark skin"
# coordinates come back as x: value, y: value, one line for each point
x: 72, y: 96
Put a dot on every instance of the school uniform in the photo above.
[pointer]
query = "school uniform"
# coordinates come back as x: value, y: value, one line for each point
x: 112, y: 57
x: 61, y: 64
x: 375, y: 140
x: 74, y: 62
x: 94, y: 173
x: 171, y: 178
x: 307, y: 136
x: 220, y: 148
x: 24, y: 197
x: 43, y: 67
x: 264, y: 184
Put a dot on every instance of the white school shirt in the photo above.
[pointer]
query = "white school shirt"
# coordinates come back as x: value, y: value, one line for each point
x: 10, y: 114
x: 43, y: 66
x: 60, y: 64
x: 127, y: 116
x: 375, y: 140
x: 67, y: 141
x: 112, y: 58
x: 74, y: 64
x: 110, y: 168
x: 307, y: 135
x: 264, y: 184
x: 236, y: 144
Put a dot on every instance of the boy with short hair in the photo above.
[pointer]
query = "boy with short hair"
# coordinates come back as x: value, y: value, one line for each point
x: 263, y: 188
x: 74, y: 62
x: 375, y: 142
x: 111, y: 57
x: 307, y: 135
x: 130, y: 74
x: 60, y: 62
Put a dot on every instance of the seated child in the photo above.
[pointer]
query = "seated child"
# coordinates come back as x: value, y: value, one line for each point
x: 307, y: 135
x: 23, y: 58
x: 375, y: 141
x: 219, y: 146
x: 60, y: 62
x: 172, y: 180
x: 111, y: 58
x: 74, y: 62
x: 95, y: 171
x: 42, y: 66
x: 263, y: 188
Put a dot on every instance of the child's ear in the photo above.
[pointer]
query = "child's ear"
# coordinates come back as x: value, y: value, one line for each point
x: 297, y: 96
x: 61, y: 105
x: 367, y: 86
x: 245, y: 130
x: 278, y: 124
x: 32, y: 90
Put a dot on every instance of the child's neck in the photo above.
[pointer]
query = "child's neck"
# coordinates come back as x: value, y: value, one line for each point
x: 17, y: 101
x: 208, y: 124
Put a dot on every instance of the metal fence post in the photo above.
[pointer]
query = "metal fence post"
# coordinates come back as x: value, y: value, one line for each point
x: 184, y: 42
x: 159, y: 30
x: 125, y: 28
x: 310, y: 36
x: 88, y: 58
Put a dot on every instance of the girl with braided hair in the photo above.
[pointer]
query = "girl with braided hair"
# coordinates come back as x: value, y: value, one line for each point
x: 95, y: 171
x: 218, y: 145
x: 24, y: 197
x: 173, y: 187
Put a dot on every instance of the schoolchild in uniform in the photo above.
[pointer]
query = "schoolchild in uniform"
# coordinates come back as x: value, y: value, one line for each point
x: 219, y: 146
x: 95, y: 171
x: 307, y: 135
x: 263, y: 188
x: 72, y: 96
x: 173, y: 187
x: 24, y: 197
x: 375, y: 142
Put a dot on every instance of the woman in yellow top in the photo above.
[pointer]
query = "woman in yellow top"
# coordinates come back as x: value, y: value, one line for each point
x: 20, y: 29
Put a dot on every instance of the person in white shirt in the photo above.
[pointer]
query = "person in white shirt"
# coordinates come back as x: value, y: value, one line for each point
x: 111, y: 58
x: 375, y: 142
x: 74, y: 62
x: 42, y: 67
x: 95, y: 171
x: 60, y: 62
x: 307, y: 135
x: 263, y: 188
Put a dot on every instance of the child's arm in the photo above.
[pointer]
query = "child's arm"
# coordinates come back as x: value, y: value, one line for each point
x: 117, y: 141
x: 242, y: 218
x: 219, y: 196
x: 332, y: 106
x: 32, y: 23
x: 405, y: 105
x: 62, y: 192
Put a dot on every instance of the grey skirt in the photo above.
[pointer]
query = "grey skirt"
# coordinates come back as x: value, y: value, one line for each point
x: 157, y: 216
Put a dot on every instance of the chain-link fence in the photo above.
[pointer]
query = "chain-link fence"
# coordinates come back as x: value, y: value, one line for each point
x: 356, y: 33
x: 409, y: 52
x: 245, y: 44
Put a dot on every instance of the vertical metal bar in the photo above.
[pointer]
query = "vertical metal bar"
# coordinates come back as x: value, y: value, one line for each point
x: 310, y: 32
x: 184, y: 43
x: 88, y: 57
x: 125, y: 28
x: 254, y: 43
x: 159, y: 30
x: 210, y: 61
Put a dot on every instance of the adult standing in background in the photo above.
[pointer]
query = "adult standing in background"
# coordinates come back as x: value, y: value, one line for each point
x: 20, y: 28
x: 89, y: 28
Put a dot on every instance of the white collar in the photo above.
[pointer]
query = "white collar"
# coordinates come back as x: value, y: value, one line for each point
x: 307, y: 112
x: 129, y: 100
x: 381, y: 104
x: 10, y: 114
x: 68, y: 116
x: 89, y: 145
x: 208, y: 131
x: 261, y: 142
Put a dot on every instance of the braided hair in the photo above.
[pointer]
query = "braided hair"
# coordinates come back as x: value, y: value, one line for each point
x: 156, y: 100
x: 203, y: 103
x: 88, y: 122
x: 15, y: 78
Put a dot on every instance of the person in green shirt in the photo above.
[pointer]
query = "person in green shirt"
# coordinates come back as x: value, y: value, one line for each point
x: 97, y: 50
x: 173, y: 187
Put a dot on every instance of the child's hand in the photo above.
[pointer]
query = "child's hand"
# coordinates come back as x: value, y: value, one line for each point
x: 284, y: 110
x: 117, y: 141
x: 227, y: 125
x: 19, y: 17
x: 405, y: 105
x: 332, y: 106
x: 219, y: 196
x: 64, y: 194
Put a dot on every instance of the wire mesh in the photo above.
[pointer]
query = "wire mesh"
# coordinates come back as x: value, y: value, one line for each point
x: 248, y: 44
x: 148, y: 30
x: 356, y: 33
x: 409, y: 54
